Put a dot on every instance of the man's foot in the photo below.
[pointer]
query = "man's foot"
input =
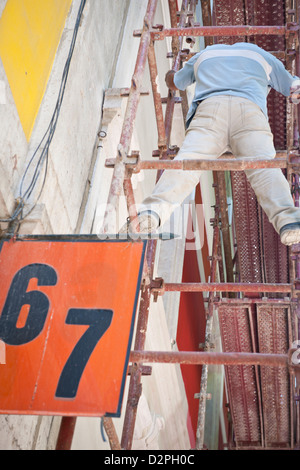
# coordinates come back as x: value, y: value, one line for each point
x: 147, y: 222
x: 290, y: 234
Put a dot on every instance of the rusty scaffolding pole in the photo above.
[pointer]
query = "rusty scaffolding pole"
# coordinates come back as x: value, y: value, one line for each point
x: 183, y: 26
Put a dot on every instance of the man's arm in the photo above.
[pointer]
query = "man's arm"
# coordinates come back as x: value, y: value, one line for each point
x: 169, y: 78
x: 184, y: 77
x: 281, y: 79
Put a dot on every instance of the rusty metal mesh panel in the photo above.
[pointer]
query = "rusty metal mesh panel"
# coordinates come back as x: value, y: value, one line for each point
x: 247, y: 228
x: 229, y: 13
x: 272, y: 13
x: 241, y: 380
x: 274, y: 336
x: 262, y: 257
x: 273, y: 253
x: 259, y: 397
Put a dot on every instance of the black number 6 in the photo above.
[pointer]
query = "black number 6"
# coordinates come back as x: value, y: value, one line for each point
x: 17, y: 297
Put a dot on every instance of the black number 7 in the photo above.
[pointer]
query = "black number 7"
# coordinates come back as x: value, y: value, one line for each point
x: 99, y: 321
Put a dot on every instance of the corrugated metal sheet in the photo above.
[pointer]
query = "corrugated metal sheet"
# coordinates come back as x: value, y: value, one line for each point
x: 260, y: 398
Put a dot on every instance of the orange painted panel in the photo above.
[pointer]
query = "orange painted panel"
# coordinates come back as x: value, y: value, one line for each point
x: 67, y: 312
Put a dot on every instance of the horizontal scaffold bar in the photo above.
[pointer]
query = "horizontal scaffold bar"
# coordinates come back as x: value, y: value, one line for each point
x: 195, y: 164
x: 219, y: 164
x: 227, y: 287
x: 191, y: 357
x: 242, y: 30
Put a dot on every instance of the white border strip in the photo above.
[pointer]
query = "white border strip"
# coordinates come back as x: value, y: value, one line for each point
x: 236, y: 53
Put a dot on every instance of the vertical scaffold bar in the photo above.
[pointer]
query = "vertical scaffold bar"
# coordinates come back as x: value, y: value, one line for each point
x: 176, y: 51
x: 135, y: 386
x: 134, y: 391
x: 111, y: 433
x: 129, y: 118
x: 162, y: 139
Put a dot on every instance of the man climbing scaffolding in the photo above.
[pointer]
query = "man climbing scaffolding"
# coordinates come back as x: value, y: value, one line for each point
x: 228, y: 113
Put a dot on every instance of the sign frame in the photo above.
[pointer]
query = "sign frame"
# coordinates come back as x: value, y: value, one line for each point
x: 73, y: 314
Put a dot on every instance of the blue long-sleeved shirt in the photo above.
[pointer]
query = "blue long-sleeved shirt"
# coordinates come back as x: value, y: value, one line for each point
x: 241, y: 69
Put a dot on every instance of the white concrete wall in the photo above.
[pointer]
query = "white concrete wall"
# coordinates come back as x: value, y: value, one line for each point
x: 91, y: 72
x: 76, y: 192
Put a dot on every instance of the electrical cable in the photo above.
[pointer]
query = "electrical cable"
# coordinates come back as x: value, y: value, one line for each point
x: 42, y: 162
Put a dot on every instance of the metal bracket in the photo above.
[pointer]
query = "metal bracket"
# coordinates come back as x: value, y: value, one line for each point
x: 157, y: 287
x: 170, y: 153
x: 291, y: 28
x: 132, y: 162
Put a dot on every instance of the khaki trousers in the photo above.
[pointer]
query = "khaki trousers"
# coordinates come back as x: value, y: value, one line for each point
x: 227, y: 123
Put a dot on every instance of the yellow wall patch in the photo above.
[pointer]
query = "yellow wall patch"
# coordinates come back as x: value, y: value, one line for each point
x: 30, y: 31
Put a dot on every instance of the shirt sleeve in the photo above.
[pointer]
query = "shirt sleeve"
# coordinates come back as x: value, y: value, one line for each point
x: 186, y: 76
x: 280, y: 79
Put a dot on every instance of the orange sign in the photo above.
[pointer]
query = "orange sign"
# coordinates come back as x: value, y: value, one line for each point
x: 67, y: 312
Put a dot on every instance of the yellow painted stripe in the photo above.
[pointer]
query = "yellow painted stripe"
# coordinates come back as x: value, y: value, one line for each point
x: 30, y: 31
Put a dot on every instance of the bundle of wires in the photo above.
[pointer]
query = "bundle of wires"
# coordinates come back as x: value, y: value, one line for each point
x: 39, y: 160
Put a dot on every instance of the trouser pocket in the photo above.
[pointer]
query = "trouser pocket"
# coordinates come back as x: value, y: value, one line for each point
x: 253, y: 118
x: 205, y: 116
